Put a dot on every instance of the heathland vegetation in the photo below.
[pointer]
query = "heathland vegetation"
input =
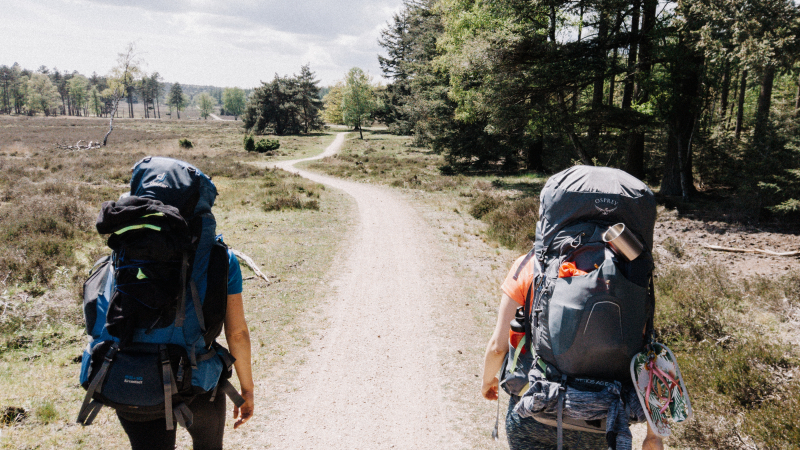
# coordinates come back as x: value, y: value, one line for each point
x: 485, y: 99
x: 735, y: 334
x: 49, y: 200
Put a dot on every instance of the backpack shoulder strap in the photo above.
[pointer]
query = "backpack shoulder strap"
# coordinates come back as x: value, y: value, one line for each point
x: 524, y: 263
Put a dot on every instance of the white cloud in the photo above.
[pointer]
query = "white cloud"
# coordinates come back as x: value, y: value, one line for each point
x: 235, y: 43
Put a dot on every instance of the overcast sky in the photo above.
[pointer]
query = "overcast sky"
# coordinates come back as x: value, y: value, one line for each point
x: 208, y: 42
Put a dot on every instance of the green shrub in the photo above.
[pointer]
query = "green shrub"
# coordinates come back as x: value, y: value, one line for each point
x: 483, y: 205
x: 513, y: 224
x: 249, y: 143
x: 185, y: 143
x: 266, y: 145
x: 738, y: 372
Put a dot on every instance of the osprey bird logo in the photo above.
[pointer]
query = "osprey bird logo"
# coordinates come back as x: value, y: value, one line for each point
x: 605, y: 211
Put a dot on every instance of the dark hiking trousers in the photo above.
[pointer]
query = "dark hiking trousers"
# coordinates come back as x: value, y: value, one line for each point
x: 206, y: 431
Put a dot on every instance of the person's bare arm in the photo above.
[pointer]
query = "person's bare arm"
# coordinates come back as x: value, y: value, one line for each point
x: 238, y: 337
x: 652, y: 441
x: 497, y: 348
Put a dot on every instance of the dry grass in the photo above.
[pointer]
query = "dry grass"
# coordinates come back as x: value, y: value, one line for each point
x: 730, y: 335
x: 49, y: 199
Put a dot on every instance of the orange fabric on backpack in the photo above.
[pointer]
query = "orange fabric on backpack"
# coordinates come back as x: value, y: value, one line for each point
x: 568, y: 269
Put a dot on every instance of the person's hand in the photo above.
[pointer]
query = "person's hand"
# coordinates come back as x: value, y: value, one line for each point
x: 490, y: 389
x: 246, y: 409
x: 652, y: 441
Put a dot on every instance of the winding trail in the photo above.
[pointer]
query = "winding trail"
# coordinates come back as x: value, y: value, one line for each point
x: 373, y: 380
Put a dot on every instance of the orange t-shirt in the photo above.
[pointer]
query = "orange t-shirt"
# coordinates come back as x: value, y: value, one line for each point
x: 518, y: 289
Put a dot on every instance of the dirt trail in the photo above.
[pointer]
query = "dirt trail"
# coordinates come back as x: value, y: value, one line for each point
x: 373, y: 379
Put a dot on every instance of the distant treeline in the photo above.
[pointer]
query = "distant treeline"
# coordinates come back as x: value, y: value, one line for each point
x: 53, y: 92
x: 686, y: 95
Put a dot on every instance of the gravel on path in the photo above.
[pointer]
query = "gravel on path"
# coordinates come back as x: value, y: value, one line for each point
x: 373, y: 381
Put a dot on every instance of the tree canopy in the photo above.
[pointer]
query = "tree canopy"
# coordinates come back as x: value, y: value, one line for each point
x: 677, y: 93
x: 176, y: 99
x: 233, y: 102
x: 286, y: 105
x: 358, y: 99
x: 206, y: 104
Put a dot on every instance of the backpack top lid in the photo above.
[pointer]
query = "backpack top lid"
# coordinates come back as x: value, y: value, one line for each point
x: 588, y: 193
x: 175, y: 183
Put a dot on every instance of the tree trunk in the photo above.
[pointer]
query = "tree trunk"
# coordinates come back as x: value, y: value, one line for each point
x: 534, y: 156
x: 681, y: 127
x: 734, y: 76
x: 740, y: 104
x: 635, y: 157
x: 130, y: 103
x: 111, y: 122
x: 599, y: 81
x: 797, y: 101
x: 764, y: 103
x: 612, y: 81
x: 633, y: 47
x: 726, y: 87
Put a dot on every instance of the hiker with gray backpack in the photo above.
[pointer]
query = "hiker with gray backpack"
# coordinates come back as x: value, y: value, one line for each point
x: 574, y: 312
x: 155, y: 307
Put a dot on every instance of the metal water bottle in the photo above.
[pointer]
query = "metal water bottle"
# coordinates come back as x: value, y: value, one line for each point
x: 517, y: 330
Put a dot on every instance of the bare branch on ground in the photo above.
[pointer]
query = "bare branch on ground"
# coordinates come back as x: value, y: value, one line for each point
x: 250, y: 263
x: 749, y: 250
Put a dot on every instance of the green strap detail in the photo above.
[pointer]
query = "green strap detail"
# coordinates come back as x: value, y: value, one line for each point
x: 141, y: 275
x: 520, y: 346
x: 542, y: 365
x: 137, y: 227
x: 154, y: 215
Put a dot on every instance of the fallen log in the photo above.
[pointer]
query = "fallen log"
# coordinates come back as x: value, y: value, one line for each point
x: 749, y: 250
x: 250, y: 263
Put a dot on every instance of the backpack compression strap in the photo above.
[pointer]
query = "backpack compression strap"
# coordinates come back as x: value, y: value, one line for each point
x: 562, y: 390
x: 180, y: 315
x: 91, y: 407
x: 225, y: 385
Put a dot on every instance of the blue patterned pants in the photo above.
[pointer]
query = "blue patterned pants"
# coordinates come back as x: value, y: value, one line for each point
x: 528, y: 434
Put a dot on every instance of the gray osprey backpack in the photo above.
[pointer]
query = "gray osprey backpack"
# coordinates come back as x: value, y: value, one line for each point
x: 585, y: 328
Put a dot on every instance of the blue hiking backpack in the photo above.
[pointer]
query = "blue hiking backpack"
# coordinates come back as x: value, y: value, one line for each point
x: 155, y: 306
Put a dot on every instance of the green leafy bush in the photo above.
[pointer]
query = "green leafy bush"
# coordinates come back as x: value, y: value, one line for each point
x: 483, y: 205
x: 266, y: 145
x: 249, y: 143
x: 185, y: 143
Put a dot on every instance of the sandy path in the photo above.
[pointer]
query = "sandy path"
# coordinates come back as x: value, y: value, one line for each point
x: 373, y: 379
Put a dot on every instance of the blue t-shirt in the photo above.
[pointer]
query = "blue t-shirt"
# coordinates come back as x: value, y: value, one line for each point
x: 234, y: 274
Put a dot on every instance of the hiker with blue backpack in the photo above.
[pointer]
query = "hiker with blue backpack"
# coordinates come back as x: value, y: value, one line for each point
x: 576, y: 310
x: 155, y: 307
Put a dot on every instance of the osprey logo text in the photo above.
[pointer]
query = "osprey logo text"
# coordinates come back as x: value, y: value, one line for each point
x: 606, y: 205
x: 158, y: 182
x: 133, y: 380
